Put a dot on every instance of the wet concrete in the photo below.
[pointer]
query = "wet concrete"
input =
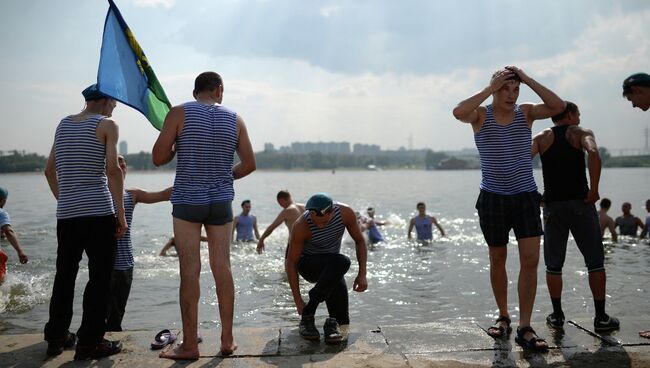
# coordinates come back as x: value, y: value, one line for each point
x: 436, y: 344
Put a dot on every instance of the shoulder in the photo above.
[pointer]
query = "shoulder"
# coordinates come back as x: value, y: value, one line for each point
x: 107, y: 124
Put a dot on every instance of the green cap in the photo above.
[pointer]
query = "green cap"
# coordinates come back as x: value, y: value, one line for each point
x: 3, y: 193
x: 638, y: 79
x: 319, y: 202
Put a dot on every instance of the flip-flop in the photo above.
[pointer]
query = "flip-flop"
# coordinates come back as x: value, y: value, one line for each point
x: 162, y: 339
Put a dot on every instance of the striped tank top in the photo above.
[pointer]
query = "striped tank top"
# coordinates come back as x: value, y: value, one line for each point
x: 81, y: 170
x: 325, y: 240
x: 504, y: 151
x: 205, y: 151
x: 124, y: 253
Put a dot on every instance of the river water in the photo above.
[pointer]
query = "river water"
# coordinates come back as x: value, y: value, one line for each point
x: 408, y: 282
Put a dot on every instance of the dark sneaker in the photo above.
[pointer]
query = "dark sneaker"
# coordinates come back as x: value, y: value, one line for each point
x: 607, y: 324
x: 308, y: 329
x: 555, y: 320
x: 56, y: 347
x: 103, y: 349
x: 331, y: 331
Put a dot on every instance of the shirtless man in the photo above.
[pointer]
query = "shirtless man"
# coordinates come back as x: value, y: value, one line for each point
x: 289, y: 214
x: 605, y: 221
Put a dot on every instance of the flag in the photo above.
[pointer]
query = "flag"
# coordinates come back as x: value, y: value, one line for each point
x: 124, y: 71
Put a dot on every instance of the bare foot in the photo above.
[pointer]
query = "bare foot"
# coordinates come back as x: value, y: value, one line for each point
x: 180, y: 353
x: 227, y: 348
x: 645, y: 334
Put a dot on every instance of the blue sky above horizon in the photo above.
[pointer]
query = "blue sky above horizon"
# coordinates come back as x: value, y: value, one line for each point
x: 368, y: 71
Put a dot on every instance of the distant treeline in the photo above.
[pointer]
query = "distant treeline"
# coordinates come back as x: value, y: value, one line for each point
x: 21, y: 161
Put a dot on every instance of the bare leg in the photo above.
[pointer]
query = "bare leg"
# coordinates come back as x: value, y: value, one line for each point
x: 499, y: 281
x: 554, y: 284
x: 219, y: 250
x: 499, y: 278
x: 527, y: 284
x: 597, y: 281
x: 188, y: 237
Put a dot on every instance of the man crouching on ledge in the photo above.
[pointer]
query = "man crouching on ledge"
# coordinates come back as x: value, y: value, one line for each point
x: 314, y: 252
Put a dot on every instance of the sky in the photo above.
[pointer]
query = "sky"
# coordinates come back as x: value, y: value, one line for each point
x: 363, y: 71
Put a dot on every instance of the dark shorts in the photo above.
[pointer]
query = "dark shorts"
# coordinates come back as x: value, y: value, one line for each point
x: 498, y: 214
x: 215, y: 213
x: 582, y: 220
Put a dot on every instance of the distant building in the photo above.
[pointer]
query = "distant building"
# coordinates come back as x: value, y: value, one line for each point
x: 124, y: 148
x: 366, y: 149
x: 322, y: 147
x: 268, y: 147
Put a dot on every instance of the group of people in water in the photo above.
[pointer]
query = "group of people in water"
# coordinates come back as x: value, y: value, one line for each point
x: 86, y: 176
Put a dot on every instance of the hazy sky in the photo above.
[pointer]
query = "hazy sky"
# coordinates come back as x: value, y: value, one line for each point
x: 369, y: 71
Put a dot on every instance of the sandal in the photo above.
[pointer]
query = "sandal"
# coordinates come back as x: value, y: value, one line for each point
x: 532, y: 343
x: 497, y: 331
x: 162, y: 339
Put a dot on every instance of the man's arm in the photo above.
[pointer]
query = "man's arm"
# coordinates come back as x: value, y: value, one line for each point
x: 435, y: 222
x: 552, y: 103
x: 13, y: 240
x: 257, y: 232
x: 108, y: 132
x: 235, y: 221
x: 594, y: 164
x: 278, y: 220
x: 246, y: 164
x: 411, y: 224
x: 469, y: 110
x: 164, y: 150
x: 350, y: 221
x: 299, y: 234
x: 170, y: 243
x: 640, y: 224
x: 644, y: 232
x: 50, y: 174
x: 142, y: 196
x: 612, y: 230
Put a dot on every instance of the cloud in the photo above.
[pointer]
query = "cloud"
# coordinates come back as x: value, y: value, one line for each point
x: 167, y: 4
x: 328, y: 11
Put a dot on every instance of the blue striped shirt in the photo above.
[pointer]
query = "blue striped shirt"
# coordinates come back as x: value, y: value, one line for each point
x: 325, y: 240
x: 81, y: 170
x: 205, y: 151
x: 124, y: 254
x: 504, y: 150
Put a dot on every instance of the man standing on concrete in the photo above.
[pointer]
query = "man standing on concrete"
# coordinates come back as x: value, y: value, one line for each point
x: 508, y: 197
x: 245, y: 224
x: 206, y: 136
x: 314, y: 253
x: 122, y: 276
x: 569, y: 206
x: 85, y: 178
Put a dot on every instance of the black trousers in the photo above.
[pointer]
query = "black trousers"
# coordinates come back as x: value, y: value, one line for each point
x: 327, y: 271
x: 120, y: 290
x: 95, y: 236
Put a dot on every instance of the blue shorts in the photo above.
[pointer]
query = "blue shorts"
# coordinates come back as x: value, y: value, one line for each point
x: 582, y: 220
x: 498, y: 214
x: 215, y: 213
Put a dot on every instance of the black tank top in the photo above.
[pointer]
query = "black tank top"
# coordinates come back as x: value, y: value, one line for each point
x: 563, y: 168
